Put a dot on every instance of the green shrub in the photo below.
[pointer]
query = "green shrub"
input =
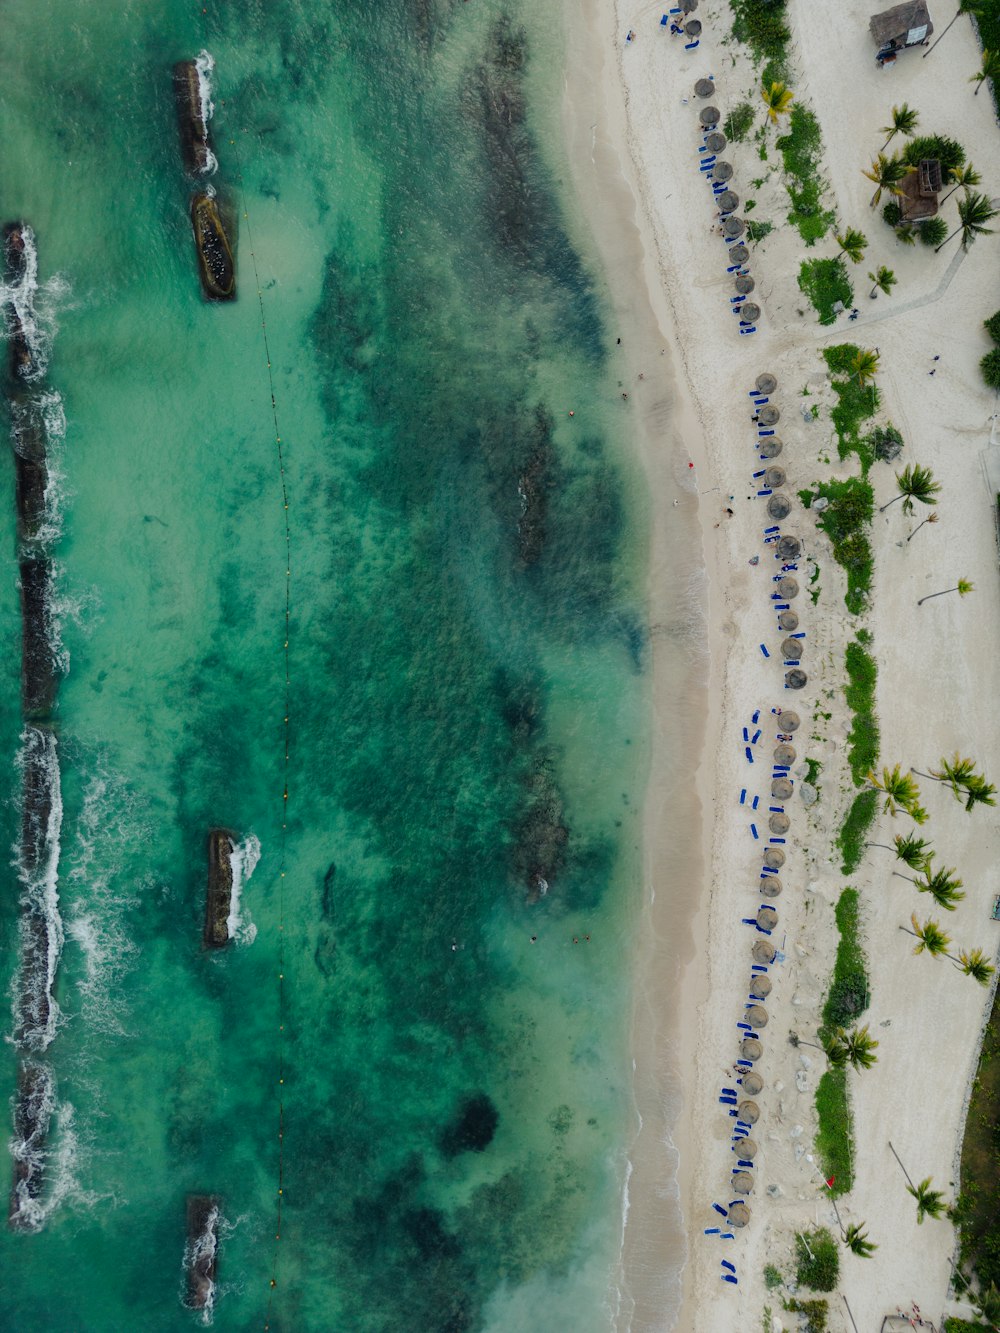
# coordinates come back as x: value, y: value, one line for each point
x: 992, y: 326
x: 762, y: 27
x: 739, y: 122
x: 849, y: 990
x: 933, y: 231
x: 818, y: 1260
x: 814, y: 1311
x: 772, y: 1278
x: 833, y: 1138
x: 855, y: 403
x: 954, y: 1325
x: 990, y: 366
x: 825, y: 282
x: 892, y: 213
x: 845, y: 521
x: 949, y: 153
x: 862, y: 741
x: 802, y: 149
x: 756, y: 231
x: 851, y: 838
x: 883, y: 441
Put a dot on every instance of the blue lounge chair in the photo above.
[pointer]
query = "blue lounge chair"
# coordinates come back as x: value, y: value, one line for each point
x: 691, y: 46
x: 756, y: 716
x: 743, y: 795
x: 776, y: 840
x: 754, y: 803
x: 749, y: 754
x: 727, y: 1264
x: 755, y: 737
x: 753, y: 830
x: 719, y: 1209
x: 764, y: 492
x: 747, y: 328
x: 773, y: 528
x: 801, y: 635
x: 728, y: 1277
x: 712, y: 1231
x: 763, y: 649
x: 746, y: 733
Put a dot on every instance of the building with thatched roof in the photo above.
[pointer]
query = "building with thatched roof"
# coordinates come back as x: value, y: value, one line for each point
x: 903, y: 25
x: 918, y: 192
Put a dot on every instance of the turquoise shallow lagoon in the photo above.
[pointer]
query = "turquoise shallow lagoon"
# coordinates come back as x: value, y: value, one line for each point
x: 467, y: 655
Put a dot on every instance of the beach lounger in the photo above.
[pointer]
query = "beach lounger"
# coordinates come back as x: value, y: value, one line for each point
x: 758, y: 401
x: 743, y: 796
x: 755, y: 475
x: 758, y: 967
x: 728, y: 1101
x: 733, y: 268
x: 727, y: 1235
x: 750, y: 328
x: 776, y: 839
x: 763, y: 649
x: 728, y: 1277
x: 762, y: 434
x: 800, y: 635
x: 755, y: 737
x: 719, y: 1209
x: 749, y: 754
x: 746, y: 733
x: 691, y: 46
x: 756, y: 716
x: 781, y: 606
x: 745, y: 1064
x: 773, y: 528
x: 763, y: 493
x: 746, y: 1026
x: 753, y: 830
x: 780, y: 770
x: 727, y: 1264
x: 795, y: 661
x: 712, y: 1231
x: 754, y: 803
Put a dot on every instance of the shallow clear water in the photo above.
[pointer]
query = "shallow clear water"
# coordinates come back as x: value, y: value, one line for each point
x: 458, y: 690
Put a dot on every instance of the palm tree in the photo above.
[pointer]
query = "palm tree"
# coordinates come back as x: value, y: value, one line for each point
x: 886, y: 172
x: 912, y: 851
x: 852, y: 244
x: 989, y: 69
x: 974, y: 211
x: 856, y: 1240
x: 964, y: 7
x: 979, y: 792
x: 931, y: 518
x: 884, y: 280
x: 901, y: 792
x: 777, y: 99
x: 963, y: 587
x: 964, y: 178
x: 854, y: 1048
x: 954, y: 772
x: 929, y: 936
x: 915, y: 483
x: 864, y: 366
x: 930, y: 1203
x: 974, y: 963
x: 942, y: 885
x: 904, y: 121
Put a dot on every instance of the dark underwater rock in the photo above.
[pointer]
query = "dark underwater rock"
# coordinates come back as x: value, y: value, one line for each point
x: 541, y: 837
x: 473, y: 1128
x: 216, y: 265
x: 39, y: 668
x: 201, y: 1253
x: 32, y: 1113
x: 191, y: 123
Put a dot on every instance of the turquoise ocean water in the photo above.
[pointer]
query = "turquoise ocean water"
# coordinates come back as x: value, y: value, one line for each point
x: 465, y: 681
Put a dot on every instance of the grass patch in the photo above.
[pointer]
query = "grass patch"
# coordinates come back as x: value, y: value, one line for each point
x: 756, y: 231
x: 739, y: 122
x: 955, y: 1325
x: 947, y: 151
x: 849, y: 989
x: 845, y: 521
x: 862, y: 742
x: 817, y: 1260
x: 772, y: 1277
x: 764, y: 30
x: 851, y: 838
x: 815, y: 1313
x: 856, y: 404
x: 813, y: 770
x: 977, y: 1215
x: 801, y: 148
x: 825, y: 282
x: 836, y: 1130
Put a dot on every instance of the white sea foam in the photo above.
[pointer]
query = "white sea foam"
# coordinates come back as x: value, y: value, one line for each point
x: 36, y: 1022
x: 201, y: 1254
x: 52, y: 1155
x: 204, y: 64
x: 34, y: 306
x: 243, y: 861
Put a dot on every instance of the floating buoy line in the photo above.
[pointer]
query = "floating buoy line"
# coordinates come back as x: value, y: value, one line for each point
x: 283, y: 841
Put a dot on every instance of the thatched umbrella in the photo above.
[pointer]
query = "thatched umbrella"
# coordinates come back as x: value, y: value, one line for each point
x: 789, y: 548
x: 749, y: 1111
x: 779, y: 506
x: 770, y: 448
x: 763, y: 952
x: 788, y: 620
x: 743, y: 1182
x: 767, y: 918
x: 766, y: 383
x: 774, y: 858
x: 758, y: 1015
x: 739, y: 1215
x: 787, y: 587
x: 784, y: 753
x: 752, y: 1082
x: 748, y: 1149
x: 739, y: 254
x: 750, y: 1047
x: 760, y: 989
x: 770, y: 886
x: 781, y: 789
x: 728, y: 201
x: 744, y: 284
x: 722, y: 171
x: 733, y: 228
x: 704, y: 87
x: 792, y: 649
x: 715, y: 142
x: 795, y: 679
x: 709, y: 115
x: 779, y: 823
x: 789, y: 719
x: 768, y: 415
x: 749, y: 312
x: 689, y: 6
x: 693, y: 29
x: 774, y: 477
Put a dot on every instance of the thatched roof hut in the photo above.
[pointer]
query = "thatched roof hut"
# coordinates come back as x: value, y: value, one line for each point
x: 795, y: 679
x: 788, y: 620
x: 774, y: 477
x: 728, y: 202
x: 774, y: 858
x: 738, y: 254
x: 760, y: 989
x: 750, y: 1047
x: 739, y: 1215
x: 903, y: 25
x: 766, y: 382
x: 779, y: 505
x: 748, y: 1148
x: 784, y: 753
x: 749, y: 1111
x: 788, y: 719
x: 767, y: 919
x: 787, y: 587
x: 771, y: 448
x: 752, y: 1082
x: 715, y: 142
x: 733, y: 228
x: 763, y: 952
x: 709, y: 115
x: 770, y: 886
x: 722, y: 171
x: 918, y: 192
x: 742, y: 1182
x: 769, y: 415
x: 779, y: 823
x: 789, y: 548
x: 704, y: 87
x: 781, y: 789
x: 749, y: 312
x: 792, y: 650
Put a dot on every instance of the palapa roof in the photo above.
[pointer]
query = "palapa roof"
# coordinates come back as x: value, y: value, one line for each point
x: 918, y: 202
x: 899, y: 20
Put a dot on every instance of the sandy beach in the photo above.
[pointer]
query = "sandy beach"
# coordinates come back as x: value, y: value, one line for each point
x: 633, y: 126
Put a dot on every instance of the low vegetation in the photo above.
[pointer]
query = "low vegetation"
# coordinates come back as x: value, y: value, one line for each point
x: 845, y: 520
x: 814, y: 1314
x: 836, y: 1130
x: 862, y: 742
x: 763, y: 28
x: 852, y: 836
x: 857, y: 401
x: 849, y: 990
x: 825, y: 282
x: 739, y: 122
x: 990, y: 364
x: 802, y: 148
x: 947, y: 151
x: 976, y: 1211
x: 817, y: 1260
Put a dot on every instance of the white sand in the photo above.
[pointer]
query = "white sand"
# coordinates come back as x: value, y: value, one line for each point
x: 938, y: 676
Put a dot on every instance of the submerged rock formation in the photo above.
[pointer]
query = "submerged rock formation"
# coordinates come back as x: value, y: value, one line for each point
x: 190, y: 94
x: 32, y: 1112
x: 201, y: 1253
x: 39, y: 668
x: 541, y: 837
x: 219, y: 891
x: 31, y: 468
x: 215, y: 256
